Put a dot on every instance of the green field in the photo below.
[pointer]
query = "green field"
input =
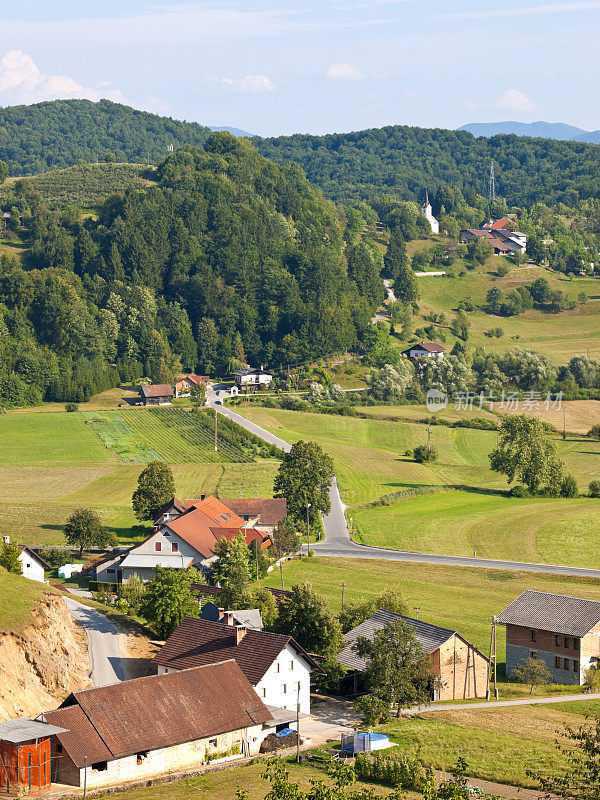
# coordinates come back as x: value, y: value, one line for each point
x: 559, y: 336
x: 52, y: 463
x: 459, y: 598
x: 476, y: 515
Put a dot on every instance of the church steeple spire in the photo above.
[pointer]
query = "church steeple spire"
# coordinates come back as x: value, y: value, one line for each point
x: 426, y: 197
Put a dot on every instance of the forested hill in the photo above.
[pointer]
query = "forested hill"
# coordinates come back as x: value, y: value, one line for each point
x: 229, y: 258
x: 405, y: 161
x: 396, y: 160
x: 61, y: 133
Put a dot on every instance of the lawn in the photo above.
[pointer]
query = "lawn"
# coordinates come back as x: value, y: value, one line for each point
x: 476, y: 515
x: 52, y: 463
x: 459, y: 598
x: 18, y: 596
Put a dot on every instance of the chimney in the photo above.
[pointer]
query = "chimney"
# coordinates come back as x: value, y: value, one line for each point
x: 228, y: 617
x: 221, y: 613
x: 240, y: 632
x: 6, y: 540
x: 202, y: 496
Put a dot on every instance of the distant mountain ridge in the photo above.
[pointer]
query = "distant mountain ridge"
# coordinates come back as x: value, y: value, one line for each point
x: 539, y: 130
x: 232, y: 131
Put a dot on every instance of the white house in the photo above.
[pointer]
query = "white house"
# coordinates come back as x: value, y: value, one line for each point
x: 249, y: 378
x: 424, y: 350
x: 276, y: 665
x: 32, y: 566
x: 142, y: 728
x: 428, y: 212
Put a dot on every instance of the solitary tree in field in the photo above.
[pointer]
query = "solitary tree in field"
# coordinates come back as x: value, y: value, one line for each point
x: 305, y: 477
x: 155, y: 488
x: 398, y: 669
x: 533, y: 672
x: 526, y: 452
x: 84, y: 528
x: 168, y: 599
x: 9, y: 557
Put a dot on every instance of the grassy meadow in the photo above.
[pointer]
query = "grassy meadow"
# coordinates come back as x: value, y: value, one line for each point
x: 559, y: 336
x: 52, y: 463
x: 473, y: 515
x: 18, y: 597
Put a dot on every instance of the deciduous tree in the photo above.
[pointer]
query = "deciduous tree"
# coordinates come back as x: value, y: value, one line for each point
x: 169, y: 599
x: 84, y: 529
x: 155, y: 488
x: 526, y: 452
x: 305, y: 477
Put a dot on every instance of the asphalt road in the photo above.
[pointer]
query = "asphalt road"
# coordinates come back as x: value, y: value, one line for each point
x: 338, y: 543
x: 103, y: 644
x: 492, y: 704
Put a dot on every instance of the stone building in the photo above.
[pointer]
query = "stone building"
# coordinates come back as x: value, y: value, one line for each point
x: 562, y: 631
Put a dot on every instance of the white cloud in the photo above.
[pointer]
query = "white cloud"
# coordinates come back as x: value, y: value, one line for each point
x: 250, y: 83
x: 547, y: 8
x: 21, y: 81
x: 343, y: 71
x: 514, y: 100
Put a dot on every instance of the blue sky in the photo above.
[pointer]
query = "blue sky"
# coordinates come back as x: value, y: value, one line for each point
x: 273, y: 67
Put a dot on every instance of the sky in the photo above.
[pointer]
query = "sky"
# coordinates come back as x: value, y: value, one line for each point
x: 275, y: 67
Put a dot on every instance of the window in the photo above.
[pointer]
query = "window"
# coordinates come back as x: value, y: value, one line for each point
x: 533, y: 654
x: 174, y: 547
x: 141, y: 757
x: 575, y: 644
x: 157, y: 547
x: 284, y: 688
x: 557, y: 662
x: 110, y: 571
x: 263, y: 692
x: 575, y: 666
x: 212, y: 742
x: 566, y: 642
x: 533, y: 633
x: 58, y: 747
x: 557, y: 641
x: 100, y: 766
x: 567, y: 663
x: 292, y: 664
x: 277, y: 667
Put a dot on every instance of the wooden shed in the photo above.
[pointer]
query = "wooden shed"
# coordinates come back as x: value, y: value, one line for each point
x: 25, y: 756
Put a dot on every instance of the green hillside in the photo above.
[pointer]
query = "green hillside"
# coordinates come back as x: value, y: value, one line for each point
x: 62, y: 133
x: 18, y: 599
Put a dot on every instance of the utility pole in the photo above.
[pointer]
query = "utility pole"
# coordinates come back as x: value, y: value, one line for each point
x: 429, y: 436
x: 308, y: 505
x: 492, y: 183
x: 298, y: 725
x: 215, y: 430
x: 343, y: 584
x: 564, y: 424
x: 417, y: 609
x: 281, y: 573
x: 84, y: 776
x: 493, y: 660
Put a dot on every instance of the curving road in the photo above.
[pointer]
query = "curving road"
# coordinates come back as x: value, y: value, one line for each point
x: 103, y: 643
x: 338, y: 543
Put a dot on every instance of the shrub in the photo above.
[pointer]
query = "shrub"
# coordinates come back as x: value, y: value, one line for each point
x: 520, y: 491
x: 373, y: 709
x: 423, y: 454
x: 502, y: 270
x: 594, y: 488
x: 408, y: 453
x: 568, y: 487
x: 594, y: 431
x: 71, y: 407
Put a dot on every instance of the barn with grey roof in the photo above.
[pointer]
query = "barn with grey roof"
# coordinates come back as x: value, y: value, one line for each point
x: 461, y: 668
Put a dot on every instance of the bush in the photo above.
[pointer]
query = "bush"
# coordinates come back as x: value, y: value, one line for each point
x: 520, y: 491
x: 408, y: 453
x: 71, y: 407
x: 594, y: 489
x: 423, y: 454
x: 502, y: 270
x: 568, y: 487
x: 374, y: 711
x: 594, y: 432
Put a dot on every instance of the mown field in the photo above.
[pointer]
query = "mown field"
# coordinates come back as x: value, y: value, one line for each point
x: 52, y: 463
x: 475, y: 515
x: 559, y: 336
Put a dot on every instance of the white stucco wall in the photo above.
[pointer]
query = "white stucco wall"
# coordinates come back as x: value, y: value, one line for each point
x: 31, y: 567
x: 279, y: 685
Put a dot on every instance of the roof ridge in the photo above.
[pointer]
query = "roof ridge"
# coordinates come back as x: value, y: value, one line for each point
x: 418, y: 621
x: 554, y: 594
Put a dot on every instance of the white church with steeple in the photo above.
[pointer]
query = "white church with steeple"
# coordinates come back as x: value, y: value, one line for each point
x: 426, y: 209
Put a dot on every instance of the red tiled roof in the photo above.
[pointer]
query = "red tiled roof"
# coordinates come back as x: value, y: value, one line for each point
x: 198, y: 641
x: 145, y: 714
x: 269, y: 511
x: 157, y: 390
x: 202, y: 525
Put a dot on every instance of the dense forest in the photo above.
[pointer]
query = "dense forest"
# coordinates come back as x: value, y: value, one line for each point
x: 405, y: 161
x: 349, y: 167
x: 61, y: 133
x: 228, y: 258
